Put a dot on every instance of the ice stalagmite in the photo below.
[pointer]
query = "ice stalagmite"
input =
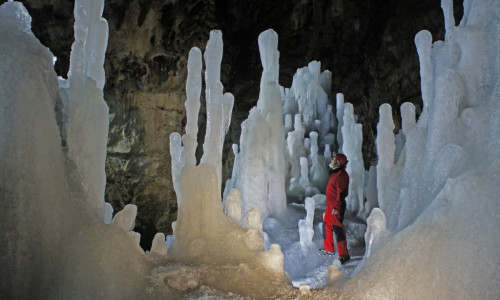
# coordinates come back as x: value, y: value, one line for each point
x: 202, y: 232
x: 182, y: 150
x: 385, y: 149
x: 307, y: 99
x: 261, y: 174
x: 193, y: 91
x: 219, y: 105
x: 340, y: 119
x: 440, y: 198
x: 353, y: 138
x: 306, y: 230
x: 407, y: 117
x: 318, y: 174
x: 52, y: 244
x: 84, y: 115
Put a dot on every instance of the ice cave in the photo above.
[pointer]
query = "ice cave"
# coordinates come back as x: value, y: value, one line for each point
x: 422, y: 223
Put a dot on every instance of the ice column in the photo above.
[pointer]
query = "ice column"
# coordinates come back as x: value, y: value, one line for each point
x: 232, y: 208
x: 340, y: 120
x: 230, y: 183
x: 261, y: 174
x: 307, y: 99
x: 353, y: 138
x: 182, y: 156
x: 295, y: 147
x: 407, y: 117
x: 318, y: 173
x: 371, y: 190
x: 385, y: 149
x: 84, y: 125
x: 376, y: 231
x: 326, y: 121
x: 201, y: 224
x: 306, y: 230
x: 304, y: 173
x: 423, y: 41
x: 193, y: 92
x: 219, y: 105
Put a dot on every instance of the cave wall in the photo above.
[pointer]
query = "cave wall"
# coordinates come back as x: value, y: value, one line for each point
x: 367, y: 44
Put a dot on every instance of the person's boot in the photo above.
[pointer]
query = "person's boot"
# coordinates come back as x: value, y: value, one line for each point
x: 324, y: 252
x: 344, y: 259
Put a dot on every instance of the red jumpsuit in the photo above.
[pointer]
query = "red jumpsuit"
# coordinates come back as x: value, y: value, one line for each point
x: 336, y: 192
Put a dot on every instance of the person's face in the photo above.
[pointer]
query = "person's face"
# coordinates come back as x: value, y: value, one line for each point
x: 334, y: 163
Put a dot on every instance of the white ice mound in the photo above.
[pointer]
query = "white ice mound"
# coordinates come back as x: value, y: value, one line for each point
x: 125, y: 218
x: 376, y: 231
x: 159, y: 245
x: 233, y: 206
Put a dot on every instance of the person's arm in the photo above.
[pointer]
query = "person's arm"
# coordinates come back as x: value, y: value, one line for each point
x: 337, y: 204
x: 340, y: 186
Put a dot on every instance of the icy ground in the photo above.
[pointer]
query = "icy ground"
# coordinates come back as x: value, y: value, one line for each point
x: 310, y: 268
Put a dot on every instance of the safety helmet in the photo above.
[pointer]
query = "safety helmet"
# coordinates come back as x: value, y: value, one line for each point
x: 341, y: 158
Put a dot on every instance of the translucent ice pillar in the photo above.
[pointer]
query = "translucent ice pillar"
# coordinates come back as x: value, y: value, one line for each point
x: 261, y: 174
x: 219, y: 105
x: 306, y: 230
x: 353, y: 138
x: 385, y: 149
x: 85, y: 118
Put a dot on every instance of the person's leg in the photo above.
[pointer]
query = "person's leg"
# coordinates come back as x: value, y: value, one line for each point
x: 338, y: 229
x: 328, y: 233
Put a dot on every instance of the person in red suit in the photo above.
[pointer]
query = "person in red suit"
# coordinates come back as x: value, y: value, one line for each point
x: 336, y: 192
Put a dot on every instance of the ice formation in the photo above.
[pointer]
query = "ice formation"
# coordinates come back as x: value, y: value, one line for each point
x: 352, y: 139
x: 202, y: 232
x: 440, y: 197
x: 159, y: 245
x: 108, y: 213
x: 232, y: 206
x: 313, y: 132
x: 260, y: 176
x: 436, y: 180
x: 83, y: 117
x: 306, y: 230
x: 53, y: 242
x: 219, y: 105
x: 308, y: 147
x: 125, y: 218
x: 386, y: 148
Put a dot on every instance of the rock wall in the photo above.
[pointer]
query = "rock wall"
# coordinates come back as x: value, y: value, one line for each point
x: 368, y: 46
